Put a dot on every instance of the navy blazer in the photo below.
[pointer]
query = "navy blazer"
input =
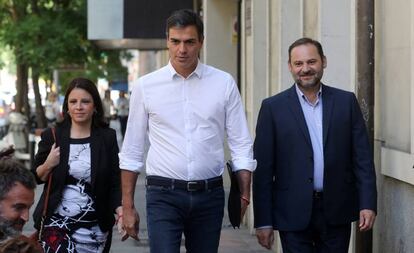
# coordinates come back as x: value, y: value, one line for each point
x: 105, y: 173
x: 283, y: 180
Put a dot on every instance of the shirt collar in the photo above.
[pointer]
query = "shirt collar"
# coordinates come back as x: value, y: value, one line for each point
x: 305, y: 99
x: 197, y: 72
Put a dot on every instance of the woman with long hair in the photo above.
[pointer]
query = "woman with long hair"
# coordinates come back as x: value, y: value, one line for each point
x: 81, y: 156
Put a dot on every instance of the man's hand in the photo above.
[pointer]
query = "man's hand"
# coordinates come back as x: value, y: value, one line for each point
x: 366, y: 219
x: 265, y: 237
x: 130, y: 218
x: 130, y: 223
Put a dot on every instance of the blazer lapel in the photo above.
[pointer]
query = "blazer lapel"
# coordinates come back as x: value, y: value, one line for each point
x: 327, y: 108
x: 63, y: 140
x: 96, y: 144
x: 296, y: 109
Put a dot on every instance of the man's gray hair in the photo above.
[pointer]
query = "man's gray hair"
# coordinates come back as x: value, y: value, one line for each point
x: 12, y: 172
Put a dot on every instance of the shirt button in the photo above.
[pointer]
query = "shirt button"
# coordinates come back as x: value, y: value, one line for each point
x: 310, y: 180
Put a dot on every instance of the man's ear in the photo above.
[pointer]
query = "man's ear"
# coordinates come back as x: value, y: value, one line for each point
x: 289, y: 66
x: 324, y: 62
x: 201, y: 40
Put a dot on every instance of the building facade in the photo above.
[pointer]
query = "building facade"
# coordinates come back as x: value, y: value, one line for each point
x: 268, y: 27
x: 250, y: 39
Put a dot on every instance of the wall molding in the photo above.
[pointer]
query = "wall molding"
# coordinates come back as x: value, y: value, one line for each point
x: 397, y: 164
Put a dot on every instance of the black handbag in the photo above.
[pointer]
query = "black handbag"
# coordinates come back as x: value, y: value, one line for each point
x: 233, y: 204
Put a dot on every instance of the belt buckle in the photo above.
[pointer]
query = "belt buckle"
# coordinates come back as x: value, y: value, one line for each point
x: 189, y: 184
x: 317, y: 194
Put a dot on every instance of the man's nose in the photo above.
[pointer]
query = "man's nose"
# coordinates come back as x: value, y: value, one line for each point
x: 25, y: 215
x: 305, y: 67
x: 182, y: 48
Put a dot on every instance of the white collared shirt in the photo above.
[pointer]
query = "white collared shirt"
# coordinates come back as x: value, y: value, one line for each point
x: 186, y: 121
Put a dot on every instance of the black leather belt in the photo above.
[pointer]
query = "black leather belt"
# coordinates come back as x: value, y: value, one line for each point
x: 196, y: 185
x: 317, y: 195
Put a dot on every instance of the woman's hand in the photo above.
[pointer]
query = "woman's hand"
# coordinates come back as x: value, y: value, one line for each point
x: 120, y: 223
x: 53, y: 158
x: 52, y: 161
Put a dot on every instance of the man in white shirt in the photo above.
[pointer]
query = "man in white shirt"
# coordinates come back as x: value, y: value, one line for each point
x: 186, y: 109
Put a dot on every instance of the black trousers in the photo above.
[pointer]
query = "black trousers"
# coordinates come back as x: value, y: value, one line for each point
x: 123, y: 120
x: 319, y: 236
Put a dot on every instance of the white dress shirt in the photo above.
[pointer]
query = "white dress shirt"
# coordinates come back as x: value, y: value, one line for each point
x: 185, y: 120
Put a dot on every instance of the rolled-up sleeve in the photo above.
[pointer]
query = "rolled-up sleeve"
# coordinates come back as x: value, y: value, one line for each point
x: 133, y: 149
x: 238, y: 135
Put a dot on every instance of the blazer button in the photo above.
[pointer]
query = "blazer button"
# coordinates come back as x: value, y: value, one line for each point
x: 310, y: 180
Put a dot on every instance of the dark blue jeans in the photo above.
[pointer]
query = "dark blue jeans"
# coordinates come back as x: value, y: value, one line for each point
x: 172, y: 212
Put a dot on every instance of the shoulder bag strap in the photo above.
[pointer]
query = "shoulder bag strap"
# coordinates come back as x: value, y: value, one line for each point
x: 49, y: 181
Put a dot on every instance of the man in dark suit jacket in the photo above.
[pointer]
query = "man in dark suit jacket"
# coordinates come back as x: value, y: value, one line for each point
x: 315, y: 173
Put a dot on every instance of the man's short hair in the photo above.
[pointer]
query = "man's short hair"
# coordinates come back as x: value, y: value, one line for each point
x: 183, y: 18
x: 304, y: 41
x: 12, y: 171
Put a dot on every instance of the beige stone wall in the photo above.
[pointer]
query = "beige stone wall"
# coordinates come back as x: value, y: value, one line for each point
x: 394, y: 125
x: 270, y: 26
x: 220, y: 43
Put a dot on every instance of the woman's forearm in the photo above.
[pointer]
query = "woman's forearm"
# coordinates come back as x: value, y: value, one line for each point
x: 43, y: 171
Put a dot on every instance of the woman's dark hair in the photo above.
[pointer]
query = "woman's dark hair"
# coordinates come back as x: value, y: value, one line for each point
x: 90, y: 87
x: 183, y: 18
